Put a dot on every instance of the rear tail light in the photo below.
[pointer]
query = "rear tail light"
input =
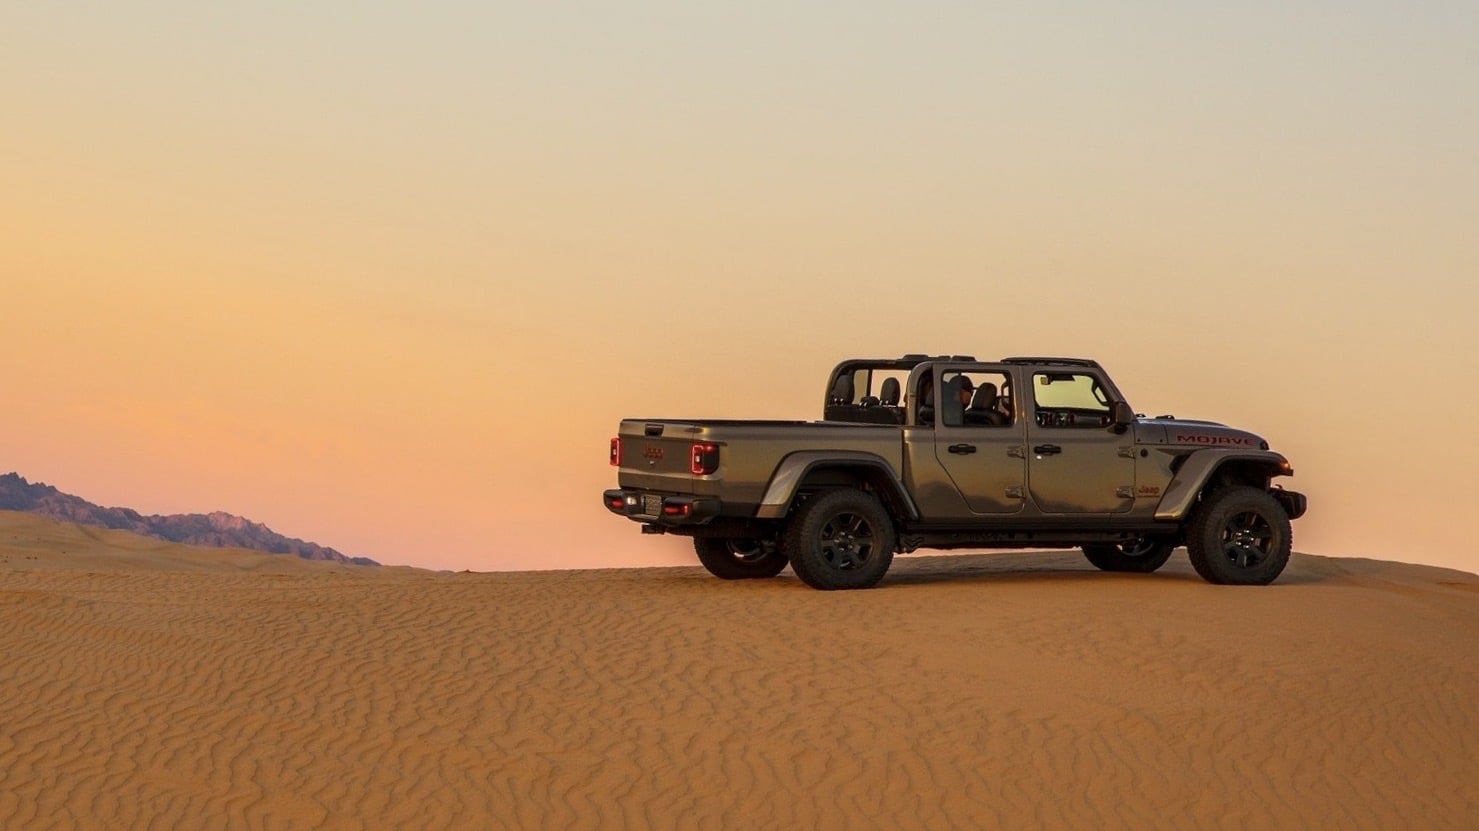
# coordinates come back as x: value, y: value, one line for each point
x: 704, y: 460
x: 616, y: 451
x: 677, y: 509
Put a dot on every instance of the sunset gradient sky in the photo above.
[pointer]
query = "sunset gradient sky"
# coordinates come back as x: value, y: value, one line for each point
x: 386, y: 276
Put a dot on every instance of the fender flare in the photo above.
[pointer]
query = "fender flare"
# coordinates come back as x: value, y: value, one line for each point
x: 794, y: 467
x: 1200, y: 466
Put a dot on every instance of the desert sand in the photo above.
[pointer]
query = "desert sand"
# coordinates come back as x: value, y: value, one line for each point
x: 149, y: 685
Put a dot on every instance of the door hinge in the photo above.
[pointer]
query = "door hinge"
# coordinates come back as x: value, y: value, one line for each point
x: 1015, y: 493
x: 1017, y: 451
x: 1127, y: 452
x: 1125, y: 492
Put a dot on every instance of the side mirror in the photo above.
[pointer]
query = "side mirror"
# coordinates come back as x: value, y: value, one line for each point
x: 1122, y: 415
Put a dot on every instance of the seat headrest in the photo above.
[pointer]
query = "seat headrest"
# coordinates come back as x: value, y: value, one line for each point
x: 985, y: 397
x: 888, y: 395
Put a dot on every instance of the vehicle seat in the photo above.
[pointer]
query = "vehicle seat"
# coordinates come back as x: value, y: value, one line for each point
x: 952, y: 411
x: 842, y: 390
x: 1004, y: 406
x: 983, y: 407
x: 888, y: 396
x: 922, y: 399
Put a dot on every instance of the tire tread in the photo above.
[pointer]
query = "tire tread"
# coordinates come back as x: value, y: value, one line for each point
x: 807, y: 524
x: 1204, y: 534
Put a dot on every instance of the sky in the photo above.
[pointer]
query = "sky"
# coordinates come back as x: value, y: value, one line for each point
x: 387, y: 276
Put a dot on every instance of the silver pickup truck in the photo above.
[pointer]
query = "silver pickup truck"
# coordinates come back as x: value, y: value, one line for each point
x: 949, y: 452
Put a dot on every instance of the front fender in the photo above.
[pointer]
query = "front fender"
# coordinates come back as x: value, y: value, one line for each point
x: 793, y: 469
x: 1182, y: 492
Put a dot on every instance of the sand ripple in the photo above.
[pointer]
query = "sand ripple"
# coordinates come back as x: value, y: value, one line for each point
x: 992, y: 691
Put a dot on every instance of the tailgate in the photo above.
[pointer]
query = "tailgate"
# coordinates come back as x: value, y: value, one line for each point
x: 658, y: 455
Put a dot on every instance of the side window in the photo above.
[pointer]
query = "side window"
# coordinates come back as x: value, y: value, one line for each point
x: 976, y: 399
x: 1070, y: 399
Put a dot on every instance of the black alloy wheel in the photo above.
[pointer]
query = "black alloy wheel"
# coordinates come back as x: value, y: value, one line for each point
x: 1247, y: 539
x: 840, y: 539
x: 1239, y: 536
x: 1141, y: 555
x: 847, y: 541
x: 739, y: 559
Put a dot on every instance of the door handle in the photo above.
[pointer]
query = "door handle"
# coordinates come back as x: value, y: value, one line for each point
x: 962, y: 449
x: 1047, y: 450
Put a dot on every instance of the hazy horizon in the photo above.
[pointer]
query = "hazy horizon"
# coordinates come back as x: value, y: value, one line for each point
x: 386, y: 279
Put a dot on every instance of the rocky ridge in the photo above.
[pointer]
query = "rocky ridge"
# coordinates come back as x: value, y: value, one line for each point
x: 217, y: 529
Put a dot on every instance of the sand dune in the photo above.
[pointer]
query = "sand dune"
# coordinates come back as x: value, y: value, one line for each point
x: 32, y: 542
x: 172, y: 688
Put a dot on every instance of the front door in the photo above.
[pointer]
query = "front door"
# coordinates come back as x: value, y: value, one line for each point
x: 1077, y: 463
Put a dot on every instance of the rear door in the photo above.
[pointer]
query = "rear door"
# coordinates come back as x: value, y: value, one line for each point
x: 1077, y: 463
x: 978, y: 440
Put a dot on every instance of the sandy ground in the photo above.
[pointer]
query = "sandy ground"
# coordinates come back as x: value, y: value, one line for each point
x: 146, y: 685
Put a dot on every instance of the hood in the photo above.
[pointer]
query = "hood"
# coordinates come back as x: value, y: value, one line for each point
x: 1189, y: 433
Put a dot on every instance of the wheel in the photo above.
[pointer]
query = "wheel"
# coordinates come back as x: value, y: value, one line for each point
x: 1142, y: 555
x: 1239, y: 536
x: 840, y: 539
x: 739, y: 559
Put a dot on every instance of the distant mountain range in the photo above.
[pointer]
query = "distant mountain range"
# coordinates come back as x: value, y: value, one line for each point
x: 220, y: 530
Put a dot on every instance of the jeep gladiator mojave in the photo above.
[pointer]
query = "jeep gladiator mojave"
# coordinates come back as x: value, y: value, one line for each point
x: 950, y: 452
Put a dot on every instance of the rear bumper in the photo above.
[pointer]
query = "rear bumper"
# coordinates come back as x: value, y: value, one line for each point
x: 659, y: 509
x: 1293, y: 502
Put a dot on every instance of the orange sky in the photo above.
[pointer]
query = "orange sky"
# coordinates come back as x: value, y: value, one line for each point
x: 387, y: 281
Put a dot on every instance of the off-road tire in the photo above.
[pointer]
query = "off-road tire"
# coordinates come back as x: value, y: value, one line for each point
x: 1239, y: 536
x: 840, y: 539
x: 736, y: 559
x: 1142, y: 556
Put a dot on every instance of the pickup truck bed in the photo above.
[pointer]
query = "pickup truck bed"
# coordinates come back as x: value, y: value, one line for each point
x: 662, y: 457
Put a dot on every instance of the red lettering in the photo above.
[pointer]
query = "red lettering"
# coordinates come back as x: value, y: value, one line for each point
x: 1195, y: 438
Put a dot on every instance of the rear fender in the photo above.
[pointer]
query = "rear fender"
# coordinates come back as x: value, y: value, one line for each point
x: 1200, y: 468
x: 793, y: 470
